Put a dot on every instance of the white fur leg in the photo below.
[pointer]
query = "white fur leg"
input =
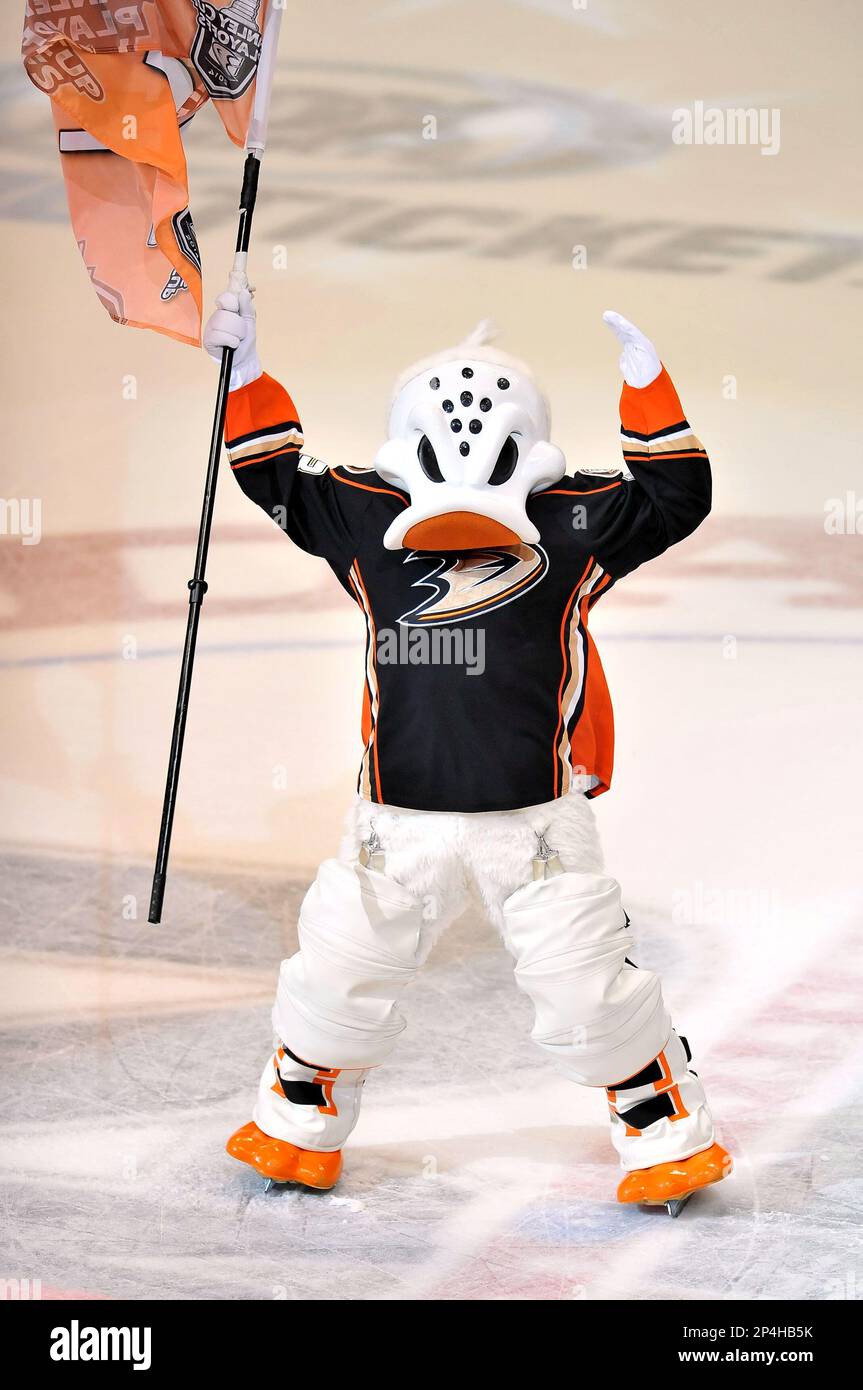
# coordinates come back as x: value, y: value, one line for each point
x: 597, y: 1016
x: 660, y: 1115
x: 500, y: 846
x: 361, y: 940
x: 421, y: 851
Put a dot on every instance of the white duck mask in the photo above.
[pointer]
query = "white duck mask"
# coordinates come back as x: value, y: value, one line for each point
x: 468, y: 441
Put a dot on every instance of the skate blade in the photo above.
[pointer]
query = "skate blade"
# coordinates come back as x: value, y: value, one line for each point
x: 673, y: 1205
x: 294, y: 1182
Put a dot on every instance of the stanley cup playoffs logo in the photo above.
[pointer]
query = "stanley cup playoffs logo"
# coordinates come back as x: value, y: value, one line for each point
x: 227, y: 46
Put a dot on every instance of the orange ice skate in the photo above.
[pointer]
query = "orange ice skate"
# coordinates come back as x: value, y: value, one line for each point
x: 672, y: 1184
x: 278, y: 1161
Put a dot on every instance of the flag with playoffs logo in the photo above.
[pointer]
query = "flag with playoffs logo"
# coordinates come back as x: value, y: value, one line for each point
x: 124, y: 77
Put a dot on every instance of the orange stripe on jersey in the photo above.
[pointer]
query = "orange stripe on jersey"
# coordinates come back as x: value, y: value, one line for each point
x: 565, y: 661
x: 366, y: 717
x: 373, y: 650
x: 573, y: 492
x: 555, y: 752
x: 574, y: 699
x: 666, y: 457
x: 366, y: 487
x: 592, y: 741
x: 366, y: 700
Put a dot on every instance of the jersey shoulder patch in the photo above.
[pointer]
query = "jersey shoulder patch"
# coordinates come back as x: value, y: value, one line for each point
x: 309, y: 464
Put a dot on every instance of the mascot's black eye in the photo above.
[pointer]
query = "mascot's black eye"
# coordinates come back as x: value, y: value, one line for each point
x: 428, y: 461
x: 506, y: 461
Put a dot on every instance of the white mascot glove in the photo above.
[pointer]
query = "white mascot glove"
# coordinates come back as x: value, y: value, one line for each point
x: 233, y: 325
x: 639, y: 360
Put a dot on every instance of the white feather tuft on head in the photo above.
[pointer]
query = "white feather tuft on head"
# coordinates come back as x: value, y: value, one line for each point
x: 485, y: 332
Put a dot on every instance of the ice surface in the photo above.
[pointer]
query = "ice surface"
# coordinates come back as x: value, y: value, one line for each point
x: 475, y: 1173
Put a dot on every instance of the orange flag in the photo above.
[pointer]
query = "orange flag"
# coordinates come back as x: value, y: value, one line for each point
x: 124, y: 76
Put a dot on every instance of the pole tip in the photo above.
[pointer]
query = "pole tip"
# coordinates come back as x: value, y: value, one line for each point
x: 157, y: 897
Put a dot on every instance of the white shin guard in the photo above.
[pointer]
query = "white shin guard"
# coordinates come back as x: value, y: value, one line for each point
x: 660, y: 1114
x: 310, y: 1106
x: 597, y: 1016
x: 361, y: 944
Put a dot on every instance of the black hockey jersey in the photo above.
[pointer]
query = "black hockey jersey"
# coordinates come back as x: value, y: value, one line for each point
x: 483, y: 688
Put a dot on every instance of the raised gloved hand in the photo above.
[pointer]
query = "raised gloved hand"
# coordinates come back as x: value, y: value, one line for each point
x: 232, y: 324
x: 639, y: 360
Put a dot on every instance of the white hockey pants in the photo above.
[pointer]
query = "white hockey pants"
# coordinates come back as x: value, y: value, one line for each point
x: 365, y: 933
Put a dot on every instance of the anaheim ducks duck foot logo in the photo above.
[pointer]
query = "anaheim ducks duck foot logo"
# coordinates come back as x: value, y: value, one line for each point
x: 477, y: 582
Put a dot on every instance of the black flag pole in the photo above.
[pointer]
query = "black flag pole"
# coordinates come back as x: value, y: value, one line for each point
x: 198, y: 583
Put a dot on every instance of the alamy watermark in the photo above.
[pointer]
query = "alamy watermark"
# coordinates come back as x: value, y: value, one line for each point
x: 20, y: 1290
x: 721, y: 907
x: 730, y: 125
x: 843, y: 516
x: 21, y: 516
x: 77, y: 1343
x: 432, y: 646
